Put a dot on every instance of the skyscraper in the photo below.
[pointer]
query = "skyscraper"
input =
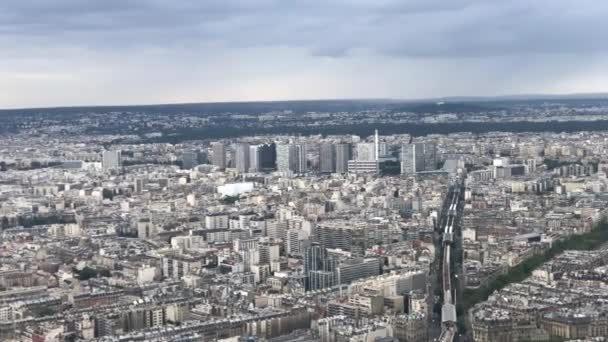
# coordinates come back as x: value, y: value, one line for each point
x: 242, y: 157
x: 301, y: 160
x: 291, y: 158
x: 412, y: 158
x: 284, y: 158
x: 190, y: 159
x: 430, y: 157
x: 327, y: 158
x: 255, y: 158
x: 366, y: 152
x: 268, y: 156
x: 319, y: 268
x: 111, y: 160
x: 219, y: 155
x: 343, y: 155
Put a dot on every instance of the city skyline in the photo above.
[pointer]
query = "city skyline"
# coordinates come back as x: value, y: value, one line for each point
x: 303, y: 170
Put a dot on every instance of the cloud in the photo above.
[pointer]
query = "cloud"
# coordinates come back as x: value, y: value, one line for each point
x: 134, y: 51
x: 421, y: 28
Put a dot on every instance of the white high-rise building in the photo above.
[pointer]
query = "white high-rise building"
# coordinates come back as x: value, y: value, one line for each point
x: 366, y: 152
x: 111, y: 160
x: 291, y: 158
x: 412, y: 158
x: 242, y: 157
x: 301, y: 159
x: 255, y: 162
x: 418, y: 157
x: 219, y: 155
x: 284, y: 158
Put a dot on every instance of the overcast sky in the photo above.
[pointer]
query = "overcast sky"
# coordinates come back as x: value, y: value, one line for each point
x: 77, y: 52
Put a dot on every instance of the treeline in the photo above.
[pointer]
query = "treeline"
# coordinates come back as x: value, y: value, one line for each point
x: 588, y: 241
x: 367, y: 129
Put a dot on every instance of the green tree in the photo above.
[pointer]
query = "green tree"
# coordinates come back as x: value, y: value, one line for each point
x: 87, y: 273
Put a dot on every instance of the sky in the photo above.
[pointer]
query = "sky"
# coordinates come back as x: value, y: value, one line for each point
x: 109, y: 52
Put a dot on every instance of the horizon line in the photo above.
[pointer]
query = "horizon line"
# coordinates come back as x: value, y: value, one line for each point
x: 461, y: 98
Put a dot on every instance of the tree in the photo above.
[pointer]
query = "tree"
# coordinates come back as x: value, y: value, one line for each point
x: 87, y: 273
x: 104, y: 272
x: 108, y: 194
x: 230, y: 199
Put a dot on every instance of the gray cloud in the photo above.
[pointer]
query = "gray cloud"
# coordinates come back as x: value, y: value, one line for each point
x: 134, y: 51
x: 425, y: 28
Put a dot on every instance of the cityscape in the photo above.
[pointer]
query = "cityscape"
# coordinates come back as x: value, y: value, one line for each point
x: 303, y: 171
x: 495, y: 236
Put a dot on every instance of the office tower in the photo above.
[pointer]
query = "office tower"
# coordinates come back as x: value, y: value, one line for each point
x: 342, y: 237
x: 291, y: 158
x: 111, y: 160
x: 295, y: 241
x: 300, y: 159
x: 268, y: 156
x: 530, y: 165
x: 255, y: 158
x: 382, y: 149
x: 366, y: 152
x: 219, y: 155
x: 190, y: 159
x: 319, y: 268
x: 242, y: 157
x: 327, y: 158
x: 343, y: 155
x: 139, y: 185
x: 412, y: 158
x: 430, y: 157
x: 285, y: 159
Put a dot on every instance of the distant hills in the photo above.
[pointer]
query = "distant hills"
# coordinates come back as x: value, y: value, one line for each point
x: 453, y: 103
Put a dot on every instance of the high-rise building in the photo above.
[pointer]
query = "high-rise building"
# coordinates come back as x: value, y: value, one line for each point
x: 412, y: 158
x: 268, y: 156
x: 343, y: 155
x: 376, y: 145
x: 255, y: 158
x: 242, y: 157
x: 301, y: 159
x: 430, y: 157
x: 366, y: 152
x: 291, y: 158
x: 319, y: 268
x: 327, y: 158
x: 111, y: 160
x: 219, y: 155
x: 139, y: 185
x: 285, y: 159
x: 190, y: 159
